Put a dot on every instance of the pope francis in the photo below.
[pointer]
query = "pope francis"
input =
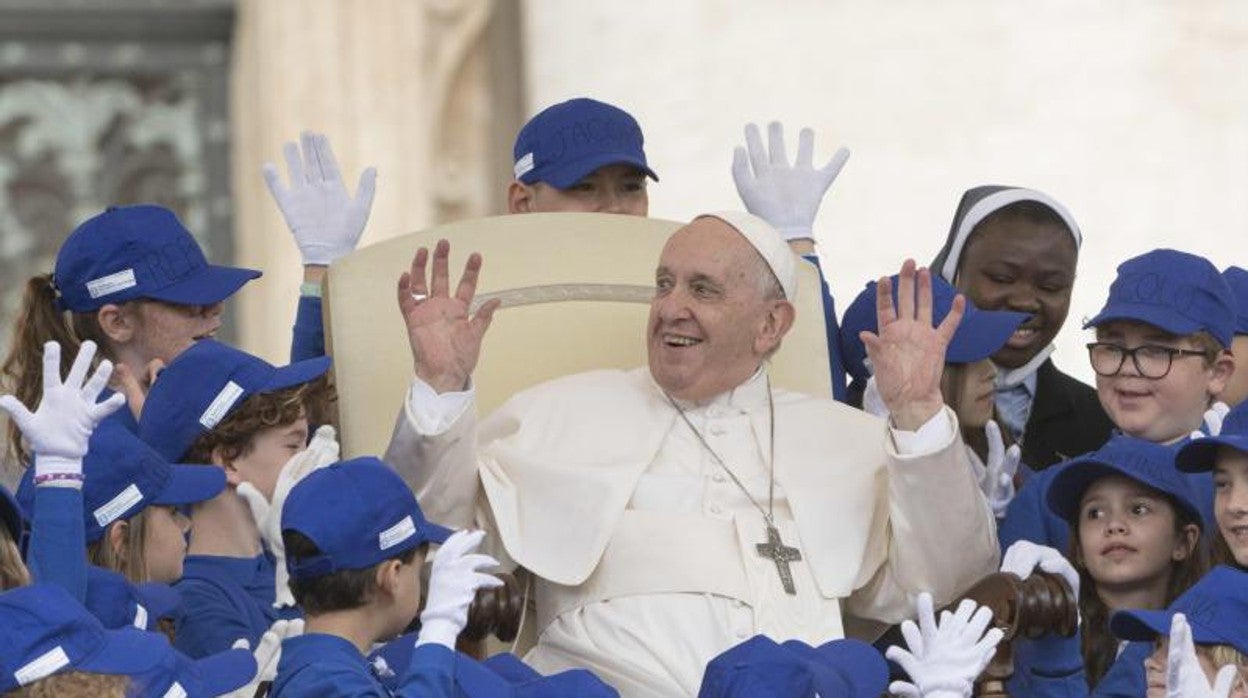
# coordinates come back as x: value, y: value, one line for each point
x: 669, y: 512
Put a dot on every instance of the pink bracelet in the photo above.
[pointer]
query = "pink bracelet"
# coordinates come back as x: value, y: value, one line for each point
x: 52, y: 477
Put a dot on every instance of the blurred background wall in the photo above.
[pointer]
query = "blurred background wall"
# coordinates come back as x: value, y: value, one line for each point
x: 1131, y: 112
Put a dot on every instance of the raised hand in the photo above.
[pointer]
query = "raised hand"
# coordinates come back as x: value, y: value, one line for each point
x: 786, y: 196
x: 943, y: 659
x: 445, y: 341
x: 908, y: 354
x: 59, y: 430
x: 1184, y: 676
x: 326, y: 221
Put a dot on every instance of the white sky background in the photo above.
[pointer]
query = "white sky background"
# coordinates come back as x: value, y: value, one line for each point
x: 1133, y: 113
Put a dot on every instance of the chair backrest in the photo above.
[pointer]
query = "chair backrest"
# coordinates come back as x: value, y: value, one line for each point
x: 575, y: 289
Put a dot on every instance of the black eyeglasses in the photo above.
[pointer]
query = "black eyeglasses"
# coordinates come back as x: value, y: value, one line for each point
x: 1151, y: 360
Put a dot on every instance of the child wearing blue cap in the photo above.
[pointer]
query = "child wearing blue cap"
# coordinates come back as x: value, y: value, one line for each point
x: 1226, y: 456
x: 967, y: 382
x: 1013, y: 248
x: 134, y: 281
x: 355, y: 542
x: 1236, y: 390
x: 1201, y: 639
x: 1135, y: 542
x: 244, y: 417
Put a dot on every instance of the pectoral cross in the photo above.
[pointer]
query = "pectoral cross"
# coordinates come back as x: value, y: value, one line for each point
x: 776, y: 551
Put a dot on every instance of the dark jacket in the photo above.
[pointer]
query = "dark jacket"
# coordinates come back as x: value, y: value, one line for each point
x: 1066, y: 419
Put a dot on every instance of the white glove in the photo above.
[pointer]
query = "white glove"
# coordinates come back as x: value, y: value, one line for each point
x: 61, y: 427
x: 453, y: 582
x: 322, y: 451
x: 786, y: 196
x: 1184, y: 676
x: 268, y: 653
x: 1024, y: 557
x: 998, y: 482
x: 325, y: 220
x: 1213, y: 420
x: 944, y: 659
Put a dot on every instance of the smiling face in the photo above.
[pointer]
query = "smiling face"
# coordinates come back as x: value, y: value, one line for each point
x: 1230, y: 502
x: 164, y: 330
x: 1128, y: 536
x: 1013, y: 263
x: 717, y: 312
x: 269, y: 450
x: 1159, y: 409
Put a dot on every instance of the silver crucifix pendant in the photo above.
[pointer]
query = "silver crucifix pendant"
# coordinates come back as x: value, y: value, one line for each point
x: 776, y: 551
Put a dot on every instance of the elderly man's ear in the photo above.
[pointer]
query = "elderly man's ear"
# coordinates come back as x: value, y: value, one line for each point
x: 776, y: 324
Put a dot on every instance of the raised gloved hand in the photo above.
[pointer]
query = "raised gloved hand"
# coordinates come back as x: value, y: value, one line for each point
x: 1213, y: 420
x: 1024, y: 557
x: 453, y: 582
x: 786, y: 196
x: 998, y: 481
x: 325, y: 220
x: 321, y: 451
x: 268, y: 653
x: 944, y: 659
x: 60, y: 428
x: 1184, y: 676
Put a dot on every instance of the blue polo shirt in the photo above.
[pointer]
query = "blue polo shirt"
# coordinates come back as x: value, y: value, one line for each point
x: 316, y: 664
x: 224, y: 599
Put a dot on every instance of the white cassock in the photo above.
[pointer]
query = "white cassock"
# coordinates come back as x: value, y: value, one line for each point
x: 644, y: 548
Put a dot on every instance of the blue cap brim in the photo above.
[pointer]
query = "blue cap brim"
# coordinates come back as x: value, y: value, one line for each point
x: 1146, y: 626
x: 212, y: 284
x: 435, y: 533
x: 298, y: 373
x: 1162, y: 318
x: 572, y: 172
x: 1076, y: 476
x: 226, y: 671
x: 1199, y: 455
x: 189, y: 484
x: 982, y: 334
x: 160, y: 600
x: 126, y: 651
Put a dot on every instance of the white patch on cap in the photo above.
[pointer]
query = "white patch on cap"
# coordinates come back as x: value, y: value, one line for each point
x: 771, y: 246
x: 397, y: 533
x: 118, y: 505
x: 221, y: 405
x: 112, y: 283
x: 42, y: 667
x: 524, y: 165
x: 140, y: 616
x: 175, y: 691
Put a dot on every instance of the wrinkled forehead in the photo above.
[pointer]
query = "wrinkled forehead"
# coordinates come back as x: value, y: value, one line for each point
x: 708, y: 243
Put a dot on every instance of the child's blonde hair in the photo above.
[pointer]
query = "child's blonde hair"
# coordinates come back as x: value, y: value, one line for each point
x: 130, y: 562
x: 13, y: 572
x: 74, y: 684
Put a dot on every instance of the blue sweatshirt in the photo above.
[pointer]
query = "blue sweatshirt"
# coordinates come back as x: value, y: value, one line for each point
x: 224, y: 599
x: 316, y: 664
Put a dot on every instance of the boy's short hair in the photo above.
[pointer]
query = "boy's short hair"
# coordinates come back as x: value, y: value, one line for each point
x: 337, y: 591
x: 1174, y: 291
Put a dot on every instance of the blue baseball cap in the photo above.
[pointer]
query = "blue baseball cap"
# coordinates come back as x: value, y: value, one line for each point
x: 979, y: 335
x: 1143, y: 461
x: 122, y: 476
x: 1216, y: 608
x: 1200, y: 455
x: 43, y: 631
x: 141, y: 251
x: 566, y: 142
x: 11, y: 515
x: 204, y: 384
x: 178, y: 675
x: 359, y: 513
x: 119, y: 603
x: 1178, y: 292
x: 761, y: 667
x: 1237, y: 279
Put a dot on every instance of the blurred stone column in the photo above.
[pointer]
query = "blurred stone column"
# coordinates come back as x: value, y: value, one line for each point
x: 425, y: 90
